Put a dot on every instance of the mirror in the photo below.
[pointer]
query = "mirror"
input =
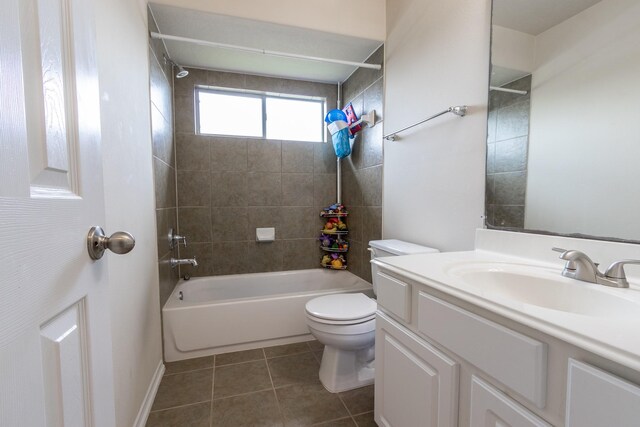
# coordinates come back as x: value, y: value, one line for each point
x: 563, y: 145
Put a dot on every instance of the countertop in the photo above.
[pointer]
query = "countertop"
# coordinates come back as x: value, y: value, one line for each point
x: 614, y: 337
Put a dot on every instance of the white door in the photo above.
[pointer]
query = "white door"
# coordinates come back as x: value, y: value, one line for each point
x: 55, y: 348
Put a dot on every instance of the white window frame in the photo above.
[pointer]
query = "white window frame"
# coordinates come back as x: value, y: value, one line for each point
x: 256, y: 94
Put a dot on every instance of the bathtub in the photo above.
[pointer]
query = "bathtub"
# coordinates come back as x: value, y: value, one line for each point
x: 211, y: 315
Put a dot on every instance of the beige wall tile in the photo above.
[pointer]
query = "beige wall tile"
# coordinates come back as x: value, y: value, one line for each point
x: 194, y: 188
x: 165, y: 184
x: 324, y: 189
x: 264, y: 189
x: 195, y: 224
x: 228, y: 154
x: 228, y: 224
x: 230, y: 257
x: 297, y: 156
x: 264, y: 155
x: 265, y: 257
x: 229, y: 189
x: 299, y: 222
x: 297, y: 189
x: 192, y: 152
x: 300, y: 254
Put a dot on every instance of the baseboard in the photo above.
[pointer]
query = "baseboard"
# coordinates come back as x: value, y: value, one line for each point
x: 143, y: 413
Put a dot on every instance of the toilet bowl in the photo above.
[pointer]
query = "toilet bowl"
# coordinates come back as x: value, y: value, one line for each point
x: 345, y: 324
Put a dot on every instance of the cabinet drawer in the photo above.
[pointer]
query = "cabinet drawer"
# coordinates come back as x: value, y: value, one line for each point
x: 597, y: 398
x: 491, y: 407
x: 394, y: 296
x: 517, y: 361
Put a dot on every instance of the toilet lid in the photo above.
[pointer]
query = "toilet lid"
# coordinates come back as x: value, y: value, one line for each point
x: 342, y: 307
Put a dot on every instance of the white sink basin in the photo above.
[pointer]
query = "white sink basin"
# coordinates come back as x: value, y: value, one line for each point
x: 542, y: 287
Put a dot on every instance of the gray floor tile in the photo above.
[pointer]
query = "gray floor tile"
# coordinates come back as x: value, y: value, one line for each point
x: 295, y: 369
x: 359, y: 400
x: 307, y: 404
x: 192, y: 415
x: 188, y: 365
x: 254, y: 410
x: 343, y: 422
x: 231, y: 380
x: 287, y: 349
x: 365, y: 420
x: 315, y: 345
x: 239, y: 357
x: 318, y: 355
x: 183, y: 389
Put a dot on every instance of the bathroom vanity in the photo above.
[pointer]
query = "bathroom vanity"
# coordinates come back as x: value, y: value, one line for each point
x: 482, y: 338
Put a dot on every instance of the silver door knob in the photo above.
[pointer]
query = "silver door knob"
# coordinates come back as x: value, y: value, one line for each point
x: 119, y: 242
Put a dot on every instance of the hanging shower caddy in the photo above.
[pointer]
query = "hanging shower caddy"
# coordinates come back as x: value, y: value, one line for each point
x: 332, y: 236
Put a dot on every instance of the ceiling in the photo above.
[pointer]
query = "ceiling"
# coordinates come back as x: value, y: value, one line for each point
x: 531, y: 17
x: 536, y: 16
x: 259, y: 35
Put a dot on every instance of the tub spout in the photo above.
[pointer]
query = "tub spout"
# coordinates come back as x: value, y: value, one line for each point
x: 176, y: 262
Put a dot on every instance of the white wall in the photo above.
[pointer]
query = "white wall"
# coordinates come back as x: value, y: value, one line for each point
x: 357, y: 18
x: 436, y: 56
x: 585, y: 84
x: 512, y: 49
x: 129, y: 194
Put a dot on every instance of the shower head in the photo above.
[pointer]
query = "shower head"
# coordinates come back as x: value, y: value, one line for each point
x: 181, y: 71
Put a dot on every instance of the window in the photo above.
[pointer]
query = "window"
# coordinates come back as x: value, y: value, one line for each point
x: 257, y: 115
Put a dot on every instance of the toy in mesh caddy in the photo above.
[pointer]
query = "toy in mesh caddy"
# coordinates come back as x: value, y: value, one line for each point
x: 335, y: 261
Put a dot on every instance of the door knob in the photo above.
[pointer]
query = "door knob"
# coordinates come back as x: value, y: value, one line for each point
x: 119, y: 242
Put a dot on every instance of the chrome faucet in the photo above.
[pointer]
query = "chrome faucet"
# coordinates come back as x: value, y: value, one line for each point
x: 189, y: 261
x: 580, y: 267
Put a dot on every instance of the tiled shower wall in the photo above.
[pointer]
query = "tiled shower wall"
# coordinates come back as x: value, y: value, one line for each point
x: 507, y: 145
x: 161, y: 79
x: 362, y: 171
x: 229, y: 186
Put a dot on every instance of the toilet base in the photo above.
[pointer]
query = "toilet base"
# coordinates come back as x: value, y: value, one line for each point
x: 342, y: 370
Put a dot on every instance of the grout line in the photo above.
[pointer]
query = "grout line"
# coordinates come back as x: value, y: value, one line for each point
x: 347, y: 408
x: 274, y: 388
x: 239, y: 363
x: 290, y: 354
x: 362, y: 413
x: 262, y: 390
x: 332, y: 420
x: 213, y: 378
x: 180, y: 406
x: 186, y: 372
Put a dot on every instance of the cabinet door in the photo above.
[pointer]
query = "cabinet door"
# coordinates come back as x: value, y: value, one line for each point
x: 492, y: 408
x: 596, y: 398
x: 416, y: 385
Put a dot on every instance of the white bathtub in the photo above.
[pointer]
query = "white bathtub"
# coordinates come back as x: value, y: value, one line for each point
x: 244, y: 311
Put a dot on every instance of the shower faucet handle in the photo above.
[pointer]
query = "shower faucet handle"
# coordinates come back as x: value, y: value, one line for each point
x: 181, y: 240
x: 176, y: 239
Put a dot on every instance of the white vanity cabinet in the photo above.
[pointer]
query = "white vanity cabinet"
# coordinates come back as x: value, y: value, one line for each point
x: 492, y: 408
x: 416, y: 385
x: 596, y: 398
x: 443, y: 362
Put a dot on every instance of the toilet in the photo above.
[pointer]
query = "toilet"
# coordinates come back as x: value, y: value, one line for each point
x: 346, y: 325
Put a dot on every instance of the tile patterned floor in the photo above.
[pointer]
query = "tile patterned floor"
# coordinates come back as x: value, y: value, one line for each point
x: 273, y: 386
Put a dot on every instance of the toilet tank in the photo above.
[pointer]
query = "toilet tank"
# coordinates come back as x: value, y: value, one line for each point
x: 393, y: 247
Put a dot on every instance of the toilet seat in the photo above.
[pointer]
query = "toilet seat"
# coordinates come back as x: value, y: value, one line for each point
x: 341, y: 322
x: 341, y: 309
